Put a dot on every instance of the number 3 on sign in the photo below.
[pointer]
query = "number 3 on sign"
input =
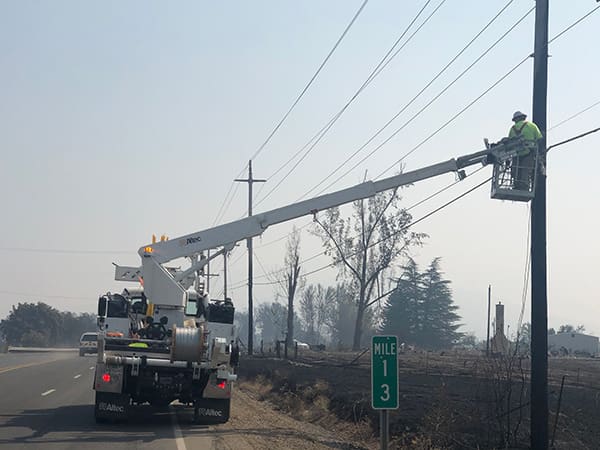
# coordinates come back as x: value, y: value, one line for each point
x: 386, y: 392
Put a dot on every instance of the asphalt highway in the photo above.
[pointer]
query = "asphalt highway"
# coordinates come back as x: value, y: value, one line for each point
x: 46, y: 401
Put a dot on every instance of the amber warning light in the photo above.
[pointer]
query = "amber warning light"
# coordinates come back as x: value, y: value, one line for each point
x: 148, y: 249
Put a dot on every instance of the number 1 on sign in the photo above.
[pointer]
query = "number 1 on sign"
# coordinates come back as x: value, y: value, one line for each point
x: 385, y: 367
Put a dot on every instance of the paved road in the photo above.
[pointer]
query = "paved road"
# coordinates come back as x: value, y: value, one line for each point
x: 46, y: 401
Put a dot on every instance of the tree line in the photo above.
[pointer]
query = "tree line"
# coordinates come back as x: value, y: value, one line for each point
x: 41, y: 325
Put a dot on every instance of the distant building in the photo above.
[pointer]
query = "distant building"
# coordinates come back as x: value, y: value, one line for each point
x: 499, y: 343
x: 573, y: 343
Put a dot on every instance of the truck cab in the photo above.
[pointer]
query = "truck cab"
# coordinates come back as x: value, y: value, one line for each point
x: 113, y: 314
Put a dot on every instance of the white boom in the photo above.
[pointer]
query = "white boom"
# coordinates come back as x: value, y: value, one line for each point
x: 163, y: 287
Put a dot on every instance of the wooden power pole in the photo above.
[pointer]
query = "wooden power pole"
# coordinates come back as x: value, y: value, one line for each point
x: 539, y: 291
x: 250, y: 180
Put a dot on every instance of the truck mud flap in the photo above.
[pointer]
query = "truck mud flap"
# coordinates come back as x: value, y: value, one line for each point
x: 111, y: 407
x: 211, y: 411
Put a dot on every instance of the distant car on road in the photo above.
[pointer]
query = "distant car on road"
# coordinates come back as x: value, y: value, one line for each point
x: 88, y: 343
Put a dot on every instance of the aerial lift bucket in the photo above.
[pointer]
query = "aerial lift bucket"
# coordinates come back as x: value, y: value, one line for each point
x: 514, y: 172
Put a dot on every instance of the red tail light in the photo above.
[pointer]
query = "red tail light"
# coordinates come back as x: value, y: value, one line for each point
x: 222, y: 384
x: 106, y: 377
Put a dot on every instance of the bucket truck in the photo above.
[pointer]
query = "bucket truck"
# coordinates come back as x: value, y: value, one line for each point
x: 179, y: 344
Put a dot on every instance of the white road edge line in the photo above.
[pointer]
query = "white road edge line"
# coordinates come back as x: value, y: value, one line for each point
x: 48, y: 392
x: 77, y: 376
x: 177, y: 432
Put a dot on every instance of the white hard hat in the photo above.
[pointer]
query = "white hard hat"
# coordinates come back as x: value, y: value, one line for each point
x: 517, y: 115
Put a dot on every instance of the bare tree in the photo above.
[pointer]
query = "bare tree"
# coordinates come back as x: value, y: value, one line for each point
x: 290, y: 282
x: 364, y: 247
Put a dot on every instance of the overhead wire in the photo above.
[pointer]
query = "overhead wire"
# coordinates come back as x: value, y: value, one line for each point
x: 528, y: 261
x: 315, y: 139
x: 227, y: 201
x: 466, y: 107
x: 568, y: 119
x: 453, y: 118
x: 407, y: 209
x: 285, y: 116
x: 489, y: 89
x: 233, y: 187
x: 574, y: 138
x: 306, y: 274
x: 574, y: 24
x: 525, y: 274
x: 415, y: 97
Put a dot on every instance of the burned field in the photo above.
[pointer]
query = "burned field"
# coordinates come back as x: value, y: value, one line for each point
x: 448, y: 400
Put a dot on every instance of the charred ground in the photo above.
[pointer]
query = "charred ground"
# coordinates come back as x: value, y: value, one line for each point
x: 448, y: 400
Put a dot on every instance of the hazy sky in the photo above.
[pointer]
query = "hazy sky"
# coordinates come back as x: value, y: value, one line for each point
x: 123, y: 119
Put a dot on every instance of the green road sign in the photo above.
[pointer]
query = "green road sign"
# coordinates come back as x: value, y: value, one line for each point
x: 384, y: 372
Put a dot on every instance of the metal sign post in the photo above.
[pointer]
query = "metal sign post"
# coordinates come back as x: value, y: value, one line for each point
x: 384, y: 380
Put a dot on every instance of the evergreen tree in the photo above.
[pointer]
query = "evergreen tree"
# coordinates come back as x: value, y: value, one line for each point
x: 421, y: 310
x: 402, y: 310
x: 440, y: 317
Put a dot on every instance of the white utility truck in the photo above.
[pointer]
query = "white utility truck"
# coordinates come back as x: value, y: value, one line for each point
x: 168, y: 340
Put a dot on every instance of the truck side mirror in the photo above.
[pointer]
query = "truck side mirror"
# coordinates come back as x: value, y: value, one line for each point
x: 102, y: 307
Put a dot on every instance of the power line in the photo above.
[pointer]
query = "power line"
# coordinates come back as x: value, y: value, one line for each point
x: 574, y: 116
x: 429, y: 197
x: 525, y: 273
x: 224, y: 208
x: 313, y: 141
x: 423, y: 218
x: 466, y: 107
x: 227, y: 200
x: 453, y: 118
x: 577, y: 22
x: 274, y: 241
x: 285, y: 116
x: 392, y: 234
x: 407, y: 105
x: 579, y: 136
x: 403, y: 229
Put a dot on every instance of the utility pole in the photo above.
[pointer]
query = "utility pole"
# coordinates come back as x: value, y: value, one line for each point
x: 487, y: 342
x: 250, y: 180
x: 539, y: 292
x: 225, y: 275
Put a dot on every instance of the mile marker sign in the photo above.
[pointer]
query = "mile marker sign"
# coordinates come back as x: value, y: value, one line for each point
x: 384, y: 372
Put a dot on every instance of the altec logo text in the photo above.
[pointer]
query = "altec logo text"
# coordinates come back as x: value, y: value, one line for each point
x: 210, y: 412
x: 103, y: 406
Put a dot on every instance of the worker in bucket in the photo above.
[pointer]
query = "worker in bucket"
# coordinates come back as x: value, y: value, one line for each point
x: 523, y: 164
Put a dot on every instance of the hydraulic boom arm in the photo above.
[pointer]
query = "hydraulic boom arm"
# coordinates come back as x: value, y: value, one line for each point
x: 232, y: 232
